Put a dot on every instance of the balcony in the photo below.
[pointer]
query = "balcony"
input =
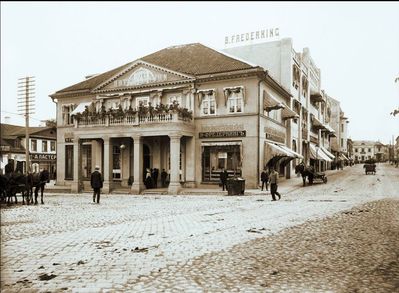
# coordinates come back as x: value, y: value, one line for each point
x: 131, y: 120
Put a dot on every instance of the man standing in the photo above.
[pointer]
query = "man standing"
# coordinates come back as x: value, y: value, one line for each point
x: 155, y: 177
x: 273, y: 184
x: 264, y: 177
x: 96, y: 181
x: 163, y: 177
x: 223, y: 178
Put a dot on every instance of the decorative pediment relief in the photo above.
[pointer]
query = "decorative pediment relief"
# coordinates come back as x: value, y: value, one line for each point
x: 142, y: 74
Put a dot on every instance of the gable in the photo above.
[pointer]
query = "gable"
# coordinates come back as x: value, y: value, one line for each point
x: 142, y: 74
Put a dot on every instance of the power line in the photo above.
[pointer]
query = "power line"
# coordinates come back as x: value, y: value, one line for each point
x: 21, y: 115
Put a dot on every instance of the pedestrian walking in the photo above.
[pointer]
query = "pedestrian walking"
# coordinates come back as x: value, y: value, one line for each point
x: 274, y: 184
x: 223, y: 178
x: 264, y: 177
x: 164, y: 175
x: 96, y: 182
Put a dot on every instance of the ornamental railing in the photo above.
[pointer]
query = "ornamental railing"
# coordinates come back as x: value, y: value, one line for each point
x: 136, y: 120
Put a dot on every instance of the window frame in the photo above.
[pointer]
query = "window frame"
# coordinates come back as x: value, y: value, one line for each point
x: 208, y: 98
x: 235, y: 97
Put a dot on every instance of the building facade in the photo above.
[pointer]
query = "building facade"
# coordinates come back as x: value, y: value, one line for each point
x: 172, y: 111
x: 42, y: 148
x: 298, y: 73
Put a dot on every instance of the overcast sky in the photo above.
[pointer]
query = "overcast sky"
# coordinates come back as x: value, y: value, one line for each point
x: 356, y: 46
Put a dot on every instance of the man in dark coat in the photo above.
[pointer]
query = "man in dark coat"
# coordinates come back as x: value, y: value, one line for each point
x: 264, y: 177
x: 223, y: 178
x: 96, y: 182
x: 155, y: 177
x: 9, y: 169
x: 164, y: 175
x: 44, y: 177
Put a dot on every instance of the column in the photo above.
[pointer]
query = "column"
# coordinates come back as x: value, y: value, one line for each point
x: 75, y: 186
x: 156, y: 158
x: 107, y: 165
x: 190, y: 162
x: 174, y: 185
x: 125, y: 163
x: 138, y: 184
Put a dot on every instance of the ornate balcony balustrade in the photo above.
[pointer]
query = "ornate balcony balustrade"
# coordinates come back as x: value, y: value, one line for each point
x: 133, y: 120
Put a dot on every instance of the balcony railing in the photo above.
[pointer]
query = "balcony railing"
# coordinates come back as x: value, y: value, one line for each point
x: 131, y: 120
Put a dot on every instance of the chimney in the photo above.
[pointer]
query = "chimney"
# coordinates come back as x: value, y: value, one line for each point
x: 7, y: 120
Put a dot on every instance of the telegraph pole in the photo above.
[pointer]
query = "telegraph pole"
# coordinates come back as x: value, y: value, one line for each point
x: 26, y: 106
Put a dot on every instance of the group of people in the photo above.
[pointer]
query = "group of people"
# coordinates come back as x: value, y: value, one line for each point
x: 151, y: 178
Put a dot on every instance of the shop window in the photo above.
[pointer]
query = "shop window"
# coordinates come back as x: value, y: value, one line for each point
x: 86, y: 161
x: 355, y: 150
x: 33, y: 145
x: 214, y: 158
x: 69, y: 162
x: 369, y: 150
x: 235, y: 102
x: 208, y: 105
x: 44, y: 146
x: 52, y: 146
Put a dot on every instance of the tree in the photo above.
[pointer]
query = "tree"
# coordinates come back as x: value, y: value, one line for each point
x: 50, y: 123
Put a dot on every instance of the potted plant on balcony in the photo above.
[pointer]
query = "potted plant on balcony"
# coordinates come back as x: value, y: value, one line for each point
x: 143, y: 110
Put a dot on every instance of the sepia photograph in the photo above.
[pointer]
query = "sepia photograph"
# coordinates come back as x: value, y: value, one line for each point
x: 206, y: 146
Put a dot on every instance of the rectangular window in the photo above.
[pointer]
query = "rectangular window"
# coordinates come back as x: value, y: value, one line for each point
x: 66, y: 114
x: 44, y: 146
x: 369, y: 150
x: 235, y: 103
x: 355, y: 150
x: 342, y: 142
x: 208, y: 105
x: 52, y: 146
x: 69, y: 162
x: 143, y: 101
x: 116, y: 162
x: 86, y: 161
x: 176, y: 99
x: 342, y: 128
x: 33, y: 145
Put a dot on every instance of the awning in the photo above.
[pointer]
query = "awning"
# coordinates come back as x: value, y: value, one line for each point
x: 80, y: 108
x: 271, y: 103
x: 287, y: 113
x: 328, y: 128
x: 330, y: 155
x: 316, y: 96
x: 316, y: 122
x: 317, y: 154
x: 275, y: 152
x: 343, y: 157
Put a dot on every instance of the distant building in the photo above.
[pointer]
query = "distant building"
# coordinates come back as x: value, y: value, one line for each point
x: 42, y: 148
x: 366, y: 149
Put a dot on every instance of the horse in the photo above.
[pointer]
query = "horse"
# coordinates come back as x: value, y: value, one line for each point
x: 305, y: 172
x: 11, y: 184
x: 38, y: 181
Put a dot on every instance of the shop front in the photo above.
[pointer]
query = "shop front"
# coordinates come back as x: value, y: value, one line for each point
x: 41, y: 161
x: 277, y: 156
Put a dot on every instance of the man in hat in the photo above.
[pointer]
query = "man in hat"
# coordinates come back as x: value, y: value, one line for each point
x: 96, y: 182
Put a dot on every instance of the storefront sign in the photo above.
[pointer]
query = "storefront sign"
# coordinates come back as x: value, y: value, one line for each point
x: 43, y: 157
x: 250, y: 36
x: 275, y: 135
x: 215, y: 134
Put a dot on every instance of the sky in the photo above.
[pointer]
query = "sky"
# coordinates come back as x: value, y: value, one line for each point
x: 355, y: 44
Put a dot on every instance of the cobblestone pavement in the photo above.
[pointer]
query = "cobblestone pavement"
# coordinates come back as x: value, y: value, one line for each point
x: 209, y: 243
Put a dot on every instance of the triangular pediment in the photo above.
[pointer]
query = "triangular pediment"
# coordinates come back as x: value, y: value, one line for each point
x: 140, y: 74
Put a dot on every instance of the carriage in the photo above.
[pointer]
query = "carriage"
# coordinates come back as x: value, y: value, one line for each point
x: 369, y: 167
x: 318, y: 176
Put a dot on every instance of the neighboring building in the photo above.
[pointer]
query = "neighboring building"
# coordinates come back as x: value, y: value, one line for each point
x: 381, y: 152
x: 171, y: 110
x: 298, y: 73
x: 42, y: 148
x: 350, y: 149
x: 363, y: 150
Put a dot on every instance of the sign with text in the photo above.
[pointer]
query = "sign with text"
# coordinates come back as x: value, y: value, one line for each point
x: 43, y: 157
x: 249, y: 37
x: 218, y: 134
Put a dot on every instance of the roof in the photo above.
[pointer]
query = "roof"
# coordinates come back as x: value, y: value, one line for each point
x: 9, y: 131
x: 194, y: 59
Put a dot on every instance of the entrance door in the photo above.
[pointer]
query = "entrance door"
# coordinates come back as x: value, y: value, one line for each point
x: 146, y: 159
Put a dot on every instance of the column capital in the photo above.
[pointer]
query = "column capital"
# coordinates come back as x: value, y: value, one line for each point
x: 175, y: 136
x: 106, y: 138
x: 137, y: 138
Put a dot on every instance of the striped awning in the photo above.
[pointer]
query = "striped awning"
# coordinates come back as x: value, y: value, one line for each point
x: 317, y: 153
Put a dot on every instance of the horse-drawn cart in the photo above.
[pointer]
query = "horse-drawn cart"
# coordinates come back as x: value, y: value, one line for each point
x: 317, y: 176
x: 369, y: 168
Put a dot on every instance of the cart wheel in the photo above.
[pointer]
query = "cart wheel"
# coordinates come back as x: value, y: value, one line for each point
x: 325, y: 180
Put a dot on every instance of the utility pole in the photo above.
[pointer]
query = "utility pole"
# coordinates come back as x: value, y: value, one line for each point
x: 26, y: 106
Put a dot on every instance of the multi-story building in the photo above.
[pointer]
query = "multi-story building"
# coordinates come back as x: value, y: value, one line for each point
x: 42, y: 148
x: 363, y: 150
x: 188, y: 109
x: 298, y: 73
